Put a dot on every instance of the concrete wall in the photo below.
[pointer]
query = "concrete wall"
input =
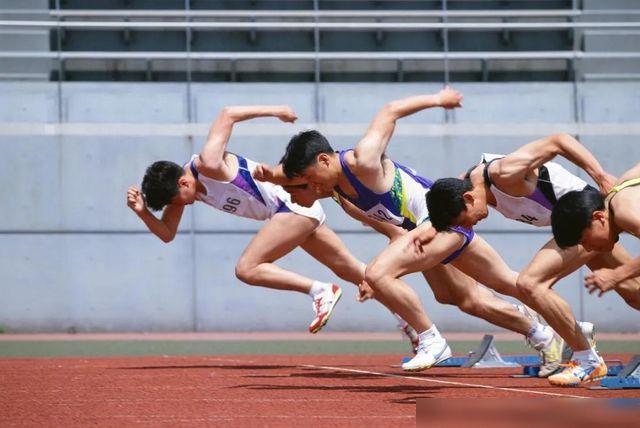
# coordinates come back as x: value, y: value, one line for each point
x: 73, y: 257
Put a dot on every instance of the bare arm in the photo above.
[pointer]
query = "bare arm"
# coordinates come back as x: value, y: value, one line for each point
x: 391, y: 231
x: 165, y: 227
x: 276, y: 175
x: 212, y: 160
x: 369, y: 151
x: 514, y: 169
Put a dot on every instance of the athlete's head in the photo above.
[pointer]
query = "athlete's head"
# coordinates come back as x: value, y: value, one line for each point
x: 579, y: 217
x: 310, y: 156
x: 166, y: 183
x: 458, y: 202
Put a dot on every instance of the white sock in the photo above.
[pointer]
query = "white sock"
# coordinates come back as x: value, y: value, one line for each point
x: 588, y: 355
x: 430, y: 335
x: 317, y: 288
x: 539, y: 334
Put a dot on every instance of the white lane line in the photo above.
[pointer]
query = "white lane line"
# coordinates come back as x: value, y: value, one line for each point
x: 446, y: 382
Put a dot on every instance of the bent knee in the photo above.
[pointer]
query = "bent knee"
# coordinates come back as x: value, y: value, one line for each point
x: 529, y: 287
x: 445, y: 299
x: 470, y: 306
x: 245, y: 272
x: 375, y: 274
x: 632, y: 299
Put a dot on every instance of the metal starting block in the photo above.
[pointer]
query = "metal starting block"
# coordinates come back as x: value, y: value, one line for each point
x: 486, y: 356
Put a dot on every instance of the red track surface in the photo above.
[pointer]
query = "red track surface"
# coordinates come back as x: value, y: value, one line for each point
x: 280, y: 391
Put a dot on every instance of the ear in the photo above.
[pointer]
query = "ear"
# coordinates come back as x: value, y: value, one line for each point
x: 599, y: 217
x: 323, y: 159
x: 468, y: 198
x: 183, y: 181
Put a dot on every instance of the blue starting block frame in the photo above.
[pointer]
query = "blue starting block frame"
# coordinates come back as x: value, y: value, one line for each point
x: 627, y: 378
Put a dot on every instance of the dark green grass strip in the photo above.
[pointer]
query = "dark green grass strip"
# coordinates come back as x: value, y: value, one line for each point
x: 158, y: 348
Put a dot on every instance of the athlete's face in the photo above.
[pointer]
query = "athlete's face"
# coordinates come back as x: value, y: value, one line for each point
x: 186, y: 191
x: 321, y: 175
x: 305, y: 195
x: 598, y: 236
x: 476, y: 207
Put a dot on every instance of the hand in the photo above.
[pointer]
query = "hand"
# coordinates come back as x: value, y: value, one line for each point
x: 449, y: 98
x: 606, y: 183
x: 287, y: 115
x: 601, y: 279
x: 365, y: 292
x: 263, y: 172
x: 135, y: 201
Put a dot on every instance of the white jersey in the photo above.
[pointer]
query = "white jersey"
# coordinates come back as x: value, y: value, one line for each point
x: 553, y: 182
x: 245, y: 197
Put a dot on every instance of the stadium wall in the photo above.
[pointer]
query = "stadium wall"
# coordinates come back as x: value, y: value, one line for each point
x: 75, y: 258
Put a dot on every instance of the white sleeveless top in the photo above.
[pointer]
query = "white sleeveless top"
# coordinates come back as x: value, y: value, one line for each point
x: 553, y: 182
x: 245, y: 197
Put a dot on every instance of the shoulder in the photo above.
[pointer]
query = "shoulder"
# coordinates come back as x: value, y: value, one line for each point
x: 225, y: 172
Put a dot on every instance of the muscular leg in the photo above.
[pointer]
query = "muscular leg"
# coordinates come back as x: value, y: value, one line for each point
x: 629, y: 290
x: 278, y: 237
x: 326, y: 247
x: 401, y: 257
x: 480, y: 262
x: 548, y: 266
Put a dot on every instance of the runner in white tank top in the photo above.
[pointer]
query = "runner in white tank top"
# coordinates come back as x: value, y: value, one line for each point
x: 225, y: 181
x: 525, y: 186
x: 553, y: 182
x: 246, y: 197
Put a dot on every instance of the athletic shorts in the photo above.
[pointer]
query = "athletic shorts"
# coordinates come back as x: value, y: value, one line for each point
x: 315, y: 211
x: 468, y: 235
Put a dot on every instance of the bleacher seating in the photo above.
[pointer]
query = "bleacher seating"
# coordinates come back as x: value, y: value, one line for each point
x: 332, y: 41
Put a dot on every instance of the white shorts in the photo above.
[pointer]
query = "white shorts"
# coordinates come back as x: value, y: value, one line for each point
x: 315, y: 211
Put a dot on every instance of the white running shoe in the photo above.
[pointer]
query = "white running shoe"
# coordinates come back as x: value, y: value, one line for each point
x: 428, y: 355
x: 323, y: 306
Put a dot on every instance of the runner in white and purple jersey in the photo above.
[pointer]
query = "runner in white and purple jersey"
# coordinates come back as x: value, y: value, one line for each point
x: 373, y: 188
x: 225, y: 181
x: 403, y: 205
x: 524, y: 186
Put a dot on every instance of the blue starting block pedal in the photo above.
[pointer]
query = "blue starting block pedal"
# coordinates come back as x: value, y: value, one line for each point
x: 627, y: 378
x: 487, y: 356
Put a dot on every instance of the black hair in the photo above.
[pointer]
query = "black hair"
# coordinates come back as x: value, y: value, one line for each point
x: 445, y: 201
x: 572, y: 214
x: 302, y: 151
x: 160, y: 183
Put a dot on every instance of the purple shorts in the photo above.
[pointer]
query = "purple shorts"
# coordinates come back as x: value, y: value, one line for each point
x: 468, y: 236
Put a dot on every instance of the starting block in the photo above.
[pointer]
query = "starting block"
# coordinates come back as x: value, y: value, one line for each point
x: 486, y: 356
x: 627, y: 378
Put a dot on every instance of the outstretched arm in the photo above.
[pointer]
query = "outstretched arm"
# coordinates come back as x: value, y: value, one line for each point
x: 164, y: 228
x: 514, y: 169
x: 212, y: 160
x: 391, y: 231
x: 369, y: 151
x: 276, y: 175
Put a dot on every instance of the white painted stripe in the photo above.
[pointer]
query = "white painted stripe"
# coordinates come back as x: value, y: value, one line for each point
x: 445, y: 382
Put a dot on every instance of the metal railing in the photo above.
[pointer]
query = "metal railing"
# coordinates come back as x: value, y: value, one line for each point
x: 316, y: 21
